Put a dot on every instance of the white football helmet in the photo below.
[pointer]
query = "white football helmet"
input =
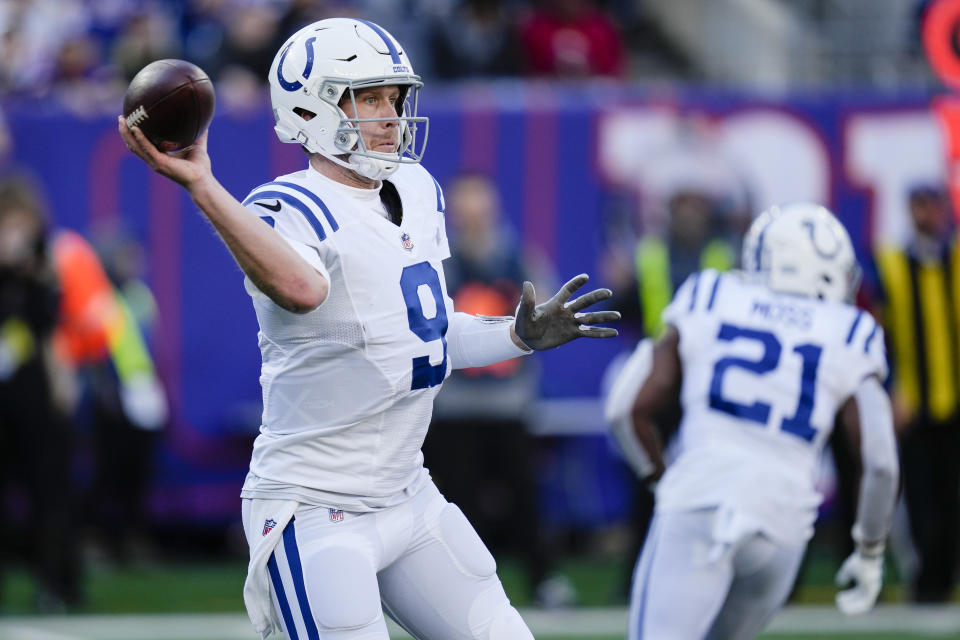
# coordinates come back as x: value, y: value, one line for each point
x: 321, y: 63
x: 802, y: 248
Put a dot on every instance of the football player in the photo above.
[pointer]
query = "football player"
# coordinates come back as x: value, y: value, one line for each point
x: 357, y: 333
x: 761, y: 361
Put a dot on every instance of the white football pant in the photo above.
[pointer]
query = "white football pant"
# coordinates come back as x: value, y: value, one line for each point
x: 685, y: 587
x: 422, y: 560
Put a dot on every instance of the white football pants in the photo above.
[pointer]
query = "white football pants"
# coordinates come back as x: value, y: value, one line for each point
x: 422, y: 560
x: 687, y: 588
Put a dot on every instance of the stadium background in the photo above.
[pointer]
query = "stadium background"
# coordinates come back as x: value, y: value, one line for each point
x: 564, y: 154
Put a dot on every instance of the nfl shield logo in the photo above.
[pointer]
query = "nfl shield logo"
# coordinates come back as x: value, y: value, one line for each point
x: 268, y: 526
x: 407, y: 242
x: 336, y: 515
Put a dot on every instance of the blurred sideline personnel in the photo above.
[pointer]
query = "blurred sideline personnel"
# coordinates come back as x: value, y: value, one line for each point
x: 478, y: 449
x: 112, y: 310
x: 36, y: 443
x: 920, y: 313
x: 762, y: 361
x: 690, y: 199
x: 357, y: 333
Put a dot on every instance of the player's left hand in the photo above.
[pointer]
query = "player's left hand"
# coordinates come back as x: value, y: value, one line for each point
x: 559, y: 320
x: 866, y: 574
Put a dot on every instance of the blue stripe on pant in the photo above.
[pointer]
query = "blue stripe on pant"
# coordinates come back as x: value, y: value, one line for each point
x: 296, y: 573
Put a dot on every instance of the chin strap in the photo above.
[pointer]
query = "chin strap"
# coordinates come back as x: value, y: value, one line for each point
x: 372, y: 168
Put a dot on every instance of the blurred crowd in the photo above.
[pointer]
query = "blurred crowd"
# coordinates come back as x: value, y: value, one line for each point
x: 84, y: 52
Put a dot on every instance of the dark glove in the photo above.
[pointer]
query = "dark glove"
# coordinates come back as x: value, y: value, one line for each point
x: 557, y: 321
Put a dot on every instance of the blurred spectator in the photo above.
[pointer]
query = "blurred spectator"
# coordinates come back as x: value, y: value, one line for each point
x: 80, y: 80
x: 33, y: 31
x: 920, y: 303
x: 100, y: 336
x: 484, y: 42
x: 572, y: 39
x: 202, y: 30
x: 35, y: 439
x: 129, y: 407
x: 690, y: 206
x: 686, y: 211
x: 147, y: 36
x: 478, y: 449
x: 251, y: 40
x: 409, y: 22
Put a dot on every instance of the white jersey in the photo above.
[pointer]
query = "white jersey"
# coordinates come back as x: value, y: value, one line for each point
x: 764, y: 375
x: 348, y: 388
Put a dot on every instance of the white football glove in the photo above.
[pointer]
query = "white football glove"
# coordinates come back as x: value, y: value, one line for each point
x: 866, y: 574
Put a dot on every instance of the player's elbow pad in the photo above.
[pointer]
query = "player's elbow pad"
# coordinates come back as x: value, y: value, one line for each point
x: 617, y: 410
x: 478, y: 341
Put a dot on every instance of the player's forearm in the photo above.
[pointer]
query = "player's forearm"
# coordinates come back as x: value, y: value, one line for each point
x: 878, y: 487
x: 270, y: 263
x: 478, y: 341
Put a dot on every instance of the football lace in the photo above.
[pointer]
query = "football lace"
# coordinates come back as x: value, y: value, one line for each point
x: 137, y: 116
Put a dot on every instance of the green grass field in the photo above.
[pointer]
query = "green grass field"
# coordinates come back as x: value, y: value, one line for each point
x: 201, y: 601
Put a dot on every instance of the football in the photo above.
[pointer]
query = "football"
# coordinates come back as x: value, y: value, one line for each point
x: 172, y: 102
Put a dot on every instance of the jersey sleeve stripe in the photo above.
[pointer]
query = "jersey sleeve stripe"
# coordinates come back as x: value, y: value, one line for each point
x: 853, y: 327
x: 693, y: 294
x: 293, y: 202
x: 313, y: 197
x: 296, y: 572
x: 873, y: 332
x: 441, y: 206
x: 713, y: 292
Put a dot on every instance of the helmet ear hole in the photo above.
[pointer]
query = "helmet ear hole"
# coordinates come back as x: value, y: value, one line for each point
x: 304, y: 113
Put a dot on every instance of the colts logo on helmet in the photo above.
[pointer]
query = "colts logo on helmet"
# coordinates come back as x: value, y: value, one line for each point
x: 827, y: 255
x: 308, y: 67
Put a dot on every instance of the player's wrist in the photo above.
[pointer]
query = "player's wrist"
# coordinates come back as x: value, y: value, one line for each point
x: 520, y: 344
x: 867, y: 548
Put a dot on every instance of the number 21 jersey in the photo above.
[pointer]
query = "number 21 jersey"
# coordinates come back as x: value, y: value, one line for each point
x: 764, y: 375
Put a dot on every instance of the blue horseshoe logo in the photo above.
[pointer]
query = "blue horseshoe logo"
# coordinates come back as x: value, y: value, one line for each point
x: 823, y: 254
x: 296, y: 84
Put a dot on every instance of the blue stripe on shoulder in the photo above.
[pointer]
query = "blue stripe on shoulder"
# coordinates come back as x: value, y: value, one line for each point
x: 693, y: 295
x: 853, y: 327
x: 296, y: 571
x: 873, y: 332
x: 441, y: 205
x: 313, y: 197
x: 713, y: 292
x: 291, y: 627
x: 293, y: 202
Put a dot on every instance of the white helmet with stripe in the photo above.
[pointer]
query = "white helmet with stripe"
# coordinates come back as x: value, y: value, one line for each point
x: 327, y: 60
x: 802, y: 248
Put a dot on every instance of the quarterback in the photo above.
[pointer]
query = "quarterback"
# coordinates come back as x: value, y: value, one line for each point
x: 762, y: 361
x: 343, y: 263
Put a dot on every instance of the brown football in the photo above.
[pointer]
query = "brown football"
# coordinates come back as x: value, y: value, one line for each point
x: 171, y: 101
